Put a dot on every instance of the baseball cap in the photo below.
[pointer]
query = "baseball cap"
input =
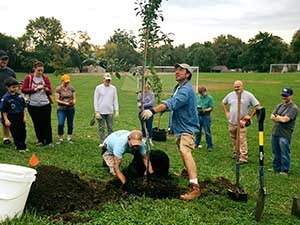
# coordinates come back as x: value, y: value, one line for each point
x: 107, y: 76
x: 287, y: 92
x: 185, y: 66
x: 65, y: 78
x: 3, y: 55
x: 136, y: 137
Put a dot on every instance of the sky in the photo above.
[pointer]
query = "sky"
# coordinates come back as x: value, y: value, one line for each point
x: 189, y: 21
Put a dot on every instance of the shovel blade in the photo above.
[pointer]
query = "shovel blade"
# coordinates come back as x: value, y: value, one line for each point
x: 238, y: 194
x: 260, y: 204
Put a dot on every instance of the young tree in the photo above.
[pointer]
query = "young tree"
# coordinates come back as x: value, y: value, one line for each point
x: 150, y: 33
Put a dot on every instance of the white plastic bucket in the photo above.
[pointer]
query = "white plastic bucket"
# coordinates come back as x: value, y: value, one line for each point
x: 15, y: 183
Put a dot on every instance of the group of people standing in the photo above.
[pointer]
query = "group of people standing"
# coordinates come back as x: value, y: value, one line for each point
x: 283, y: 116
x: 37, y: 90
x: 190, y: 113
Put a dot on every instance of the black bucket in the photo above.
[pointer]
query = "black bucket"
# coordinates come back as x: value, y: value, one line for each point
x: 159, y: 134
x: 159, y: 160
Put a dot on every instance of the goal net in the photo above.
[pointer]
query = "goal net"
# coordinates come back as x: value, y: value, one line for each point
x: 285, y: 68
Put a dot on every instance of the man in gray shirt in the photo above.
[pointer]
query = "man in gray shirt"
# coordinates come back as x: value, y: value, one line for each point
x: 284, y: 118
x: 5, y: 72
x: 247, y: 100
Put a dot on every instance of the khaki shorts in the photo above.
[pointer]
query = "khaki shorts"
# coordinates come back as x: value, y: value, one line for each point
x: 108, y: 157
x: 185, y: 143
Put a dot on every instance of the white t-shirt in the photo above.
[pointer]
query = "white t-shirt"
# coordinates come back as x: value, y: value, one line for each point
x: 106, y: 99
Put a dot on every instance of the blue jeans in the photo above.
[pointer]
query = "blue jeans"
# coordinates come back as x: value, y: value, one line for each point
x: 205, y: 122
x: 281, y: 153
x: 62, y: 114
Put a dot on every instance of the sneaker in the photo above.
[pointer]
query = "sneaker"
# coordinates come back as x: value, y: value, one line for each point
x: 284, y: 173
x: 193, y: 193
x: 59, y: 142
x: 23, y: 150
x: 199, y: 146
x: 100, y: 145
x: 39, y: 144
x: 50, y: 145
x: 70, y: 141
x: 209, y: 149
x: 6, y: 142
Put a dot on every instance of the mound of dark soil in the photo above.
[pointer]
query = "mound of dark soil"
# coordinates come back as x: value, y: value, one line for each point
x: 219, y: 186
x: 57, y: 191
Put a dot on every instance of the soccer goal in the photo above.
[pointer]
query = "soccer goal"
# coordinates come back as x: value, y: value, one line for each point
x: 285, y: 68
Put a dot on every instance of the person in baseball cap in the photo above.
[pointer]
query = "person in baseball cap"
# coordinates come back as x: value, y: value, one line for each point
x: 107, y: 76
x: 186, y: 67
x: 186, y: 123
x: 106, y: 106
x: 135, y: 138
x: 284, y: 117
x: 3, y: 55
x: 66, y: 78
x: 286, y: 92
x: 65, y: 96
x: 117, y: 144
x: 5, y: 72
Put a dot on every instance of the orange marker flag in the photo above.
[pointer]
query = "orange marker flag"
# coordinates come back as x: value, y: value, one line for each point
x: 33, y: 161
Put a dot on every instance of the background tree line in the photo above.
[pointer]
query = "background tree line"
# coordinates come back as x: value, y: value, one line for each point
x: 45, y: 40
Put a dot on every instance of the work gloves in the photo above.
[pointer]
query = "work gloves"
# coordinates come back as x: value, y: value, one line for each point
x: 147, y: 113
x: 98, y: 116
x: 116, y: 114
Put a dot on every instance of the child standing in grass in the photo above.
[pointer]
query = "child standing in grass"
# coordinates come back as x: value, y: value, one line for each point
x: 12, y: 107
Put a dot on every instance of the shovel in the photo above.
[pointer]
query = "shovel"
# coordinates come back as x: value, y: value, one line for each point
x: 260, y: 115
x: 238, y: 194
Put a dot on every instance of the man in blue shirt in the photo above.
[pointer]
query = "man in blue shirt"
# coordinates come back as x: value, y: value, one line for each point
x: 185, y: 121
x: 117, y: 144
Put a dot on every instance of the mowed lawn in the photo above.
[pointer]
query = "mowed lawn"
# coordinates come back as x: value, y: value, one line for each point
x: 84, y: 159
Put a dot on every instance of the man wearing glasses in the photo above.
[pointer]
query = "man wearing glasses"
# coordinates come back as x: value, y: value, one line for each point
x: 284, y: 118
x: 5, y: 72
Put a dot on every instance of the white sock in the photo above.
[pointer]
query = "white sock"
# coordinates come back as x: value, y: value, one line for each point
x: 5, y: 138
x: 194, y: 181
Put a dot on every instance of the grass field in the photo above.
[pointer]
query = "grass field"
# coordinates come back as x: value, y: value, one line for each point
x: 83, y: 157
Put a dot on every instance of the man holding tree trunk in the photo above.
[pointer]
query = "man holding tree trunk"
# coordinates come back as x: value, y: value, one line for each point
x: 183, y: 103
